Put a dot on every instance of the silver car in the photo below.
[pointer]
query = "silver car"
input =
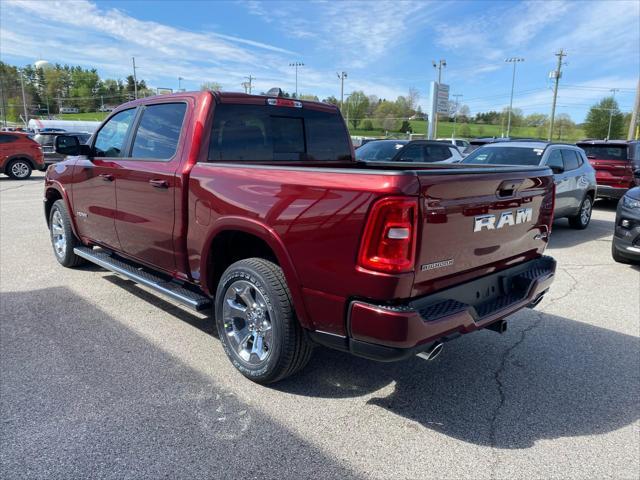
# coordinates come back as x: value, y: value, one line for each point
x: 575, y: 178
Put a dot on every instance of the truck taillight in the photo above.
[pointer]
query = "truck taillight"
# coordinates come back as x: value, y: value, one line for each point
x: 283, y: 102
x: 389, y: 241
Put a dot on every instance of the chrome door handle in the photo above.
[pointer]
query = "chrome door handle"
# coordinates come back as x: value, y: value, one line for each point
x: 159, y: 183
x: 106, y: 177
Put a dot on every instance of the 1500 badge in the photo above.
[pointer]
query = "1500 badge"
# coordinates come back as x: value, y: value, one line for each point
x: 506, y: 219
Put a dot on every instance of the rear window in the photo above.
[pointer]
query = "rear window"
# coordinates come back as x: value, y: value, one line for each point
x: 379, y: 151
x: 505, y: 156
x: 273, y: 133
x: 605, y: 152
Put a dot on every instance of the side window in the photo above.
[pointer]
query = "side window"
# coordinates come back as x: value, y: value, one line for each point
x: 570, y: 159
x: 555, y: 159
x: 412, y: 153
x: 112, y: 136
x: 7, y: 138
x: 436, y: 153
x: 158, y: 133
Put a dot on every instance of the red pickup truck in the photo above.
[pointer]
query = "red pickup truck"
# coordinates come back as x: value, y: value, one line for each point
x: 256, y: 207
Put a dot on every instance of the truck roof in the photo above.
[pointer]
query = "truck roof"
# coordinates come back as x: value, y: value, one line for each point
x: 229, y: 97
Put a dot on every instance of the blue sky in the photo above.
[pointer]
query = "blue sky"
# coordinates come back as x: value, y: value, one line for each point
x: 385, y: 46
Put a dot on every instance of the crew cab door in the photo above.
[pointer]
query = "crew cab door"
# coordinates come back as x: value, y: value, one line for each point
x: 94, y: 181
x: 147, y: 186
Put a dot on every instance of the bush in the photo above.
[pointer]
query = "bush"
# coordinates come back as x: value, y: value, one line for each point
x: 465, y: 130
x: 366, y: 124
x: 406, y: 127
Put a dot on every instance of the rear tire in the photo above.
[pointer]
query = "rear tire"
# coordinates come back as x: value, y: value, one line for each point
x: 63, y: 239
x: 257, y: 323
x: 581, y: 220
x: 19, y: 169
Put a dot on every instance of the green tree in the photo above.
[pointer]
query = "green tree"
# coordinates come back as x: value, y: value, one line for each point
x: 211, y: 86
x: 366, y: 124
x: 597, y: 123
x: 387, y: 116
x: 356, y: 107
x: 309, y: 97
x: 332, y: 100
x: 465, y: 130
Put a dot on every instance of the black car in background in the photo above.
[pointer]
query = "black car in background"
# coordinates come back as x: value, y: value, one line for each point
x: 47, y: 140
x: 414, y: 151
x: 626, y: 237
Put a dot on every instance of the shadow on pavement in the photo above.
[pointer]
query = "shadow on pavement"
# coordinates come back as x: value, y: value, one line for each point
x: 565, y: 379
x: 605, y: 205
x: 83, y: 396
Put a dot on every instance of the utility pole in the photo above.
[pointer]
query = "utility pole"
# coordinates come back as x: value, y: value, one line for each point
x: 556, y: 74
x: 4, y: 105
x: 24, y: 100
x: 441, y: 63
x: 296, y: 65
x: 613, y: 99
x: 180, y: 83
x: 513, y: 60
x: 135, y: 78
x: 341, y: 76
x: 633, y: 131
x: 455, y: 116
x: 251, y: 79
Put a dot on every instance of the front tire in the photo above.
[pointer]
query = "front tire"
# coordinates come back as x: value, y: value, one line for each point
x: 63, y: 239
x: 19, y: 169
x: 581, y: 220
x: 257, y: 323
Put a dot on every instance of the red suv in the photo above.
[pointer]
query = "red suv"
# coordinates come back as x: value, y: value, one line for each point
x: 19, y: 155
x: 616, y: 163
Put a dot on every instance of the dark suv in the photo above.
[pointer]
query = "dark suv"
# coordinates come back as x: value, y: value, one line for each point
x: 615, y: 163
x: 47, y: 141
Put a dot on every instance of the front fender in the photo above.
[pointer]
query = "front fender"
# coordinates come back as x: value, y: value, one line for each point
x: 273, y: 240
x: 51, y: 185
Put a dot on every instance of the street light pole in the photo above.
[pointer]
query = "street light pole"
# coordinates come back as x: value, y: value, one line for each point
x: 296, y: 65
x: 24, y: 100
x: 513, y: 60
x: 342, y: 76
x: 180, y: 83
x: 613, y: 98
x: 135, y: 78
x: 455, y: 116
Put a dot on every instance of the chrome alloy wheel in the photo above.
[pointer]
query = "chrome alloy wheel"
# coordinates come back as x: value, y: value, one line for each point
x: 58, y: 237
x: 247, y: 322
x: 20, y: 169
x: 585, y: 211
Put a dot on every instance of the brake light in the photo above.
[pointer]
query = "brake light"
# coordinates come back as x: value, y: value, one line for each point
x: 283, y: 102
x: 389, y: 241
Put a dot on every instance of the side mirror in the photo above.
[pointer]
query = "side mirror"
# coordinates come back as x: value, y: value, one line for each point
x: 70, y: 145
x: 591, y: 157
x: 556, y: 169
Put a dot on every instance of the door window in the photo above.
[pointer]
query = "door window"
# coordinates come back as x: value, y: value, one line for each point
x: 437, y: 153
x: 555, y: 159
x: 110, y: 140
x: 570, y: 160
x: 412, y: 153
x: 159, y: 130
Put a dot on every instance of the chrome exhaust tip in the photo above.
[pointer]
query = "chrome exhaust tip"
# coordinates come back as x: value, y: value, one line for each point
x: 433, y: 351
x: 500, y: 326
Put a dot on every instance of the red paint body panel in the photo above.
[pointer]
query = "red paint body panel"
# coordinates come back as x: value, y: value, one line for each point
x: 21, y: 146
x: 311, y: 217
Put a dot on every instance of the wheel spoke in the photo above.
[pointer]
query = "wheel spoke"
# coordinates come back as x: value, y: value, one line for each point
x: 57, y: 229
x: 245, y: 296
x: 234, y: 309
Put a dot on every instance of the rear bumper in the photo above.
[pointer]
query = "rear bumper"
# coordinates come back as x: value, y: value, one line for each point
x: 389, y: 333
x: 605, y: 191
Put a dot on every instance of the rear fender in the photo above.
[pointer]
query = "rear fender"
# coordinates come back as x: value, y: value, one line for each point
x: 271, y: 238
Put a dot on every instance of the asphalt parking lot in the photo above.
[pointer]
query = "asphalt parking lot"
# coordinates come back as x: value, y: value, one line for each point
x: 101, y: 379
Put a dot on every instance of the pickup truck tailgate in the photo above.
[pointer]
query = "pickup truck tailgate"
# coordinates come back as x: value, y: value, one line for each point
x: 477, y: 221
